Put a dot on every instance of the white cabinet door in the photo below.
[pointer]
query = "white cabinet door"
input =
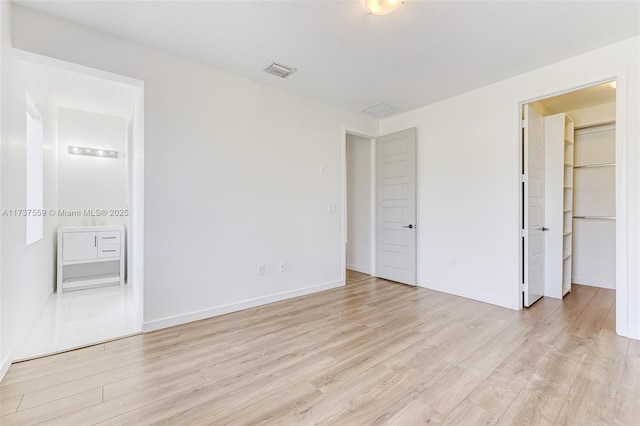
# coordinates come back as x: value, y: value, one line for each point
x: 80, y: 246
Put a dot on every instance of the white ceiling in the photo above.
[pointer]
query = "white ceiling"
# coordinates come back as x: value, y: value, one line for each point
x: 424, y: 52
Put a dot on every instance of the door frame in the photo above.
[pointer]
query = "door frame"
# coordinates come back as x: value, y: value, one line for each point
x: 345, y: 131
x: 135, y: 167
x: 621, y: 144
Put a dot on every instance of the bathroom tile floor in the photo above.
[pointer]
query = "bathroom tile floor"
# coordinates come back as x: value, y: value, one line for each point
x: 79, y: 318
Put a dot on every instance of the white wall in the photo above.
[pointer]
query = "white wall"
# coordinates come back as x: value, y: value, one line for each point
x: 358, y: 203
x: 594, y: 114
x: 86, y: 182
x: 594, y: 194
x: 468, y: 184
x: 231, y: 177
x: 27, y: 272
x: 594, y: 241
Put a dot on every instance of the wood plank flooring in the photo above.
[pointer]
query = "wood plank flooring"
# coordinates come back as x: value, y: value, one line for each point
x: 372, y: 352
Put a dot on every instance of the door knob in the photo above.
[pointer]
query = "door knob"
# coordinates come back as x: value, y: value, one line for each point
x: 408, y: 226
x: 544, y: 229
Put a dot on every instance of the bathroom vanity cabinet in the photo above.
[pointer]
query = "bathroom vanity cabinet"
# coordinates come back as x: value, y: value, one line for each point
x: 90, y: 257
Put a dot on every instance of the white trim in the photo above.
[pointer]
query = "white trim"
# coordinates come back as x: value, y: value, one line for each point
x: 518, y: 300
x: 469, y: 294
x: 33, y: 109
x: 633, y: 333
x: 234, y: 307
x: 372, y: 231
x: 622, y: 205
x: 361, y: 269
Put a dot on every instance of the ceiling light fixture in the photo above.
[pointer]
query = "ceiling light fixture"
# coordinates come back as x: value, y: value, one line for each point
x: 381, y: 7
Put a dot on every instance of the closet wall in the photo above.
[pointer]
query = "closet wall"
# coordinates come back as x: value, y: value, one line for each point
x: 359, y: 204
x: 594, y: 197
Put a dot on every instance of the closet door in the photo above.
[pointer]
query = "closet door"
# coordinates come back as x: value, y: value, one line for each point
x: 534, y: 250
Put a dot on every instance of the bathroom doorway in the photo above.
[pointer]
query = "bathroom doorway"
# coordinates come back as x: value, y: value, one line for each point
x: 92, y: 239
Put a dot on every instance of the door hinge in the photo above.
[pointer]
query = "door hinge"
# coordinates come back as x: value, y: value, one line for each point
x: 523, y: 233
x: 523, y: 123
x: 523, y: 286
x: 523, y: 178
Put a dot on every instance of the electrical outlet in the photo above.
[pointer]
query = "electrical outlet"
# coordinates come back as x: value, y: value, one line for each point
x: 283, y: 266
x: 261, y: 269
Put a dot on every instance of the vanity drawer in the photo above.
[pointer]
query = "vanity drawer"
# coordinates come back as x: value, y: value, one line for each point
x: 108, y: 251
x: 108, y: 238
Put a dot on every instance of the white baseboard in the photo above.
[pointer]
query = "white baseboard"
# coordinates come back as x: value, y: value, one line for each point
x: 234, y: 307
x: 469, y: 294
x: 633, y: 333
x: 4, y: 367
x: 357, y: 268
x: 593, y: 283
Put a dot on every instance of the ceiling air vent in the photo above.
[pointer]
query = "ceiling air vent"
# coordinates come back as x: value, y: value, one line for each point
x: 279, y: 70
x: 380, y: 110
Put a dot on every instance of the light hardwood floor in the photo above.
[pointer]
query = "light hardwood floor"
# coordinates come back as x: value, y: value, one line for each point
x: 372, y: 352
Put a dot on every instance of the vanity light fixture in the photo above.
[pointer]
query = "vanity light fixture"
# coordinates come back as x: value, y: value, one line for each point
x: 91, y: 152
x: 381, y: 7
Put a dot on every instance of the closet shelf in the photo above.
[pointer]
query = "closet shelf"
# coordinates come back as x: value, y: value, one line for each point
x: 91, y: 281
x: 593, y: 166
x: 566, y: 256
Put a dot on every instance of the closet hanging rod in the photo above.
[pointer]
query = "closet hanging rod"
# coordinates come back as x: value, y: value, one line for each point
x: 595, y: 217
x: 589, y: 166
x: 609, y: 123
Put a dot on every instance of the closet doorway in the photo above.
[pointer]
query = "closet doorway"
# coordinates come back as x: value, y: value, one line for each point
x: 569, y: 194
x: 360, y: 205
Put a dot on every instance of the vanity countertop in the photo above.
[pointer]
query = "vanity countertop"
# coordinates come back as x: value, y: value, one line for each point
x: 91, y: 228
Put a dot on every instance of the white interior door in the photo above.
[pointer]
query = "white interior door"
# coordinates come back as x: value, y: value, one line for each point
x: 534, y: 206
x: 396, y: 206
